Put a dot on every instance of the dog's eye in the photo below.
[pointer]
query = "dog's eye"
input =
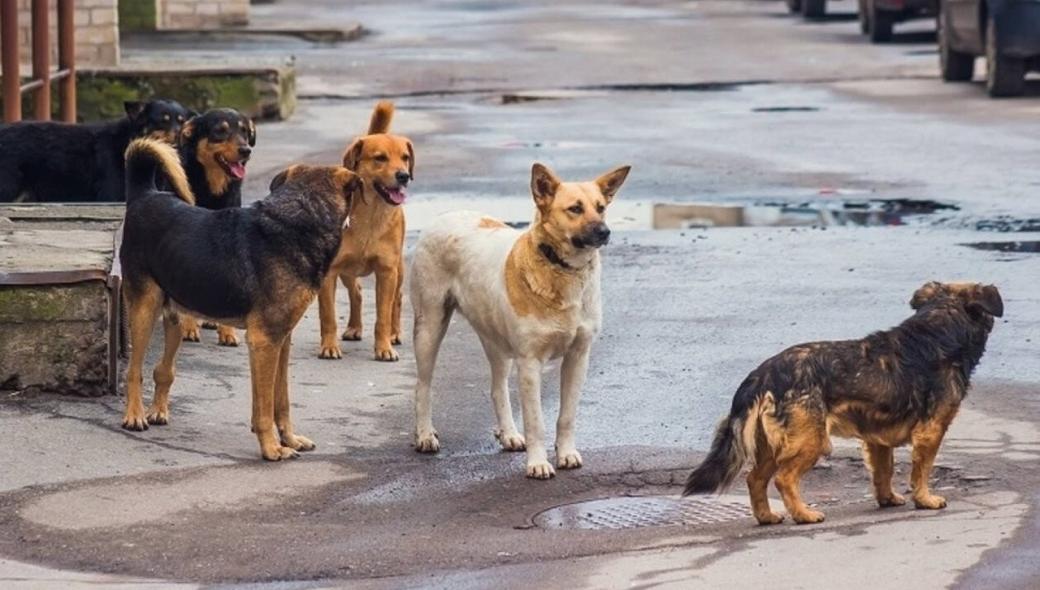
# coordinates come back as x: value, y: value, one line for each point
x: 576, y: 209
x: 600, y: 208
x: 404, y: 157
x: 381, y: 158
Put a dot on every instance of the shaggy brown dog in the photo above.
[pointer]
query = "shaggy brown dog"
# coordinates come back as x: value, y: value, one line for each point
x: 899, y: 386
x: 375, y: 243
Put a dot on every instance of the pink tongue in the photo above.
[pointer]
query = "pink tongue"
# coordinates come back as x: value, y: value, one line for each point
x: 397, y: 196
x: 237, y: 169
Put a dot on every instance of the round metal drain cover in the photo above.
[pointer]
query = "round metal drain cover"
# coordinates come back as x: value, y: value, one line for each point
x: 643, y: 511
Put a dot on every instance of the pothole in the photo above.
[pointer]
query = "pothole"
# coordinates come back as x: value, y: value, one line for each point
x: 1031, y: 247
x: 643, y: 511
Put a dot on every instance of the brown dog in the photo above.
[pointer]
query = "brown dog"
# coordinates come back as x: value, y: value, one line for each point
x: 899, y: 386
x: 375, y: 243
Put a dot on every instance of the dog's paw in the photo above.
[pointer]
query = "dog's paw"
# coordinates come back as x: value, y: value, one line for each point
x: 807, y: 516
x: 893, y: 500
x: 279, y: 453
x: 330, y: 351
x: 191, y: 333
x: 352, y: 334
x: 298, y: 442
x: 568, y: 459
x: 511, y: 441
x: 135, y: 420
x: 386, y: 354
x: 427, y: 442
x: 226, y: 336
x: 209, y: 325
x: 769, y: 518
x: 930, y: 502
x: 158, y: 416
x: 540, y: 470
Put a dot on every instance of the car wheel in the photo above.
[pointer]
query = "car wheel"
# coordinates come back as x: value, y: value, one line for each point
x: 864, y: 17
x: 794, y: 6
x: 955, y: 65
x: 881, y: 23
x: 1005, y: 76
x: 814, y: 8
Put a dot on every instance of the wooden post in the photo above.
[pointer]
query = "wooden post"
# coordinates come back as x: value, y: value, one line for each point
x: 67, y: 59
x: 9, y: 50
x: 41, y: 60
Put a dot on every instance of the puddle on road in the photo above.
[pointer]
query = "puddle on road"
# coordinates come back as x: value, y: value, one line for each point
x: 646, y: 215
x: 1030, y: 247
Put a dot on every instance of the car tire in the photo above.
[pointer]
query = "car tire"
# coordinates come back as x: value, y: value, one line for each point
x: 881, y: 23
x: 955, y: 66
x: 864, y: 17
x: 794, y: 6
x: 1005, y: 76
x: 814, y: 8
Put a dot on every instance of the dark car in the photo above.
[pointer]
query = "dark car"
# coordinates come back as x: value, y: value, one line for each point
x: 1006, y: 32
x: 878, y: 17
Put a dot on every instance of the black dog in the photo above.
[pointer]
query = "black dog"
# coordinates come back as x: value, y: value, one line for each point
x: 899, y: 386
x: 257, y: 267
x: 215, y: 148
x: 51, y: 162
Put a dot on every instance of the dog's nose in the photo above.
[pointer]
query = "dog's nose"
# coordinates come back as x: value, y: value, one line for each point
x: 602, y: 233
x: 402, y: 177
x: 244, y: 151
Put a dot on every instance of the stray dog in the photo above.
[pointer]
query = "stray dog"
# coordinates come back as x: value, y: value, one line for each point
x: 215, y: 148
x: 899, y: 386
x: 50, y: 161
x: 531, y: 297
x: 386, y: 164
x: 256, y: 267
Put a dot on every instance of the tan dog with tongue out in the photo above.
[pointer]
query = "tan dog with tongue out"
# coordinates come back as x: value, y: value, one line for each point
x: 374, y: 242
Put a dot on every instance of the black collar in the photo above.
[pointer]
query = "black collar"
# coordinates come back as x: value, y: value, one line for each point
x: 553, y: 257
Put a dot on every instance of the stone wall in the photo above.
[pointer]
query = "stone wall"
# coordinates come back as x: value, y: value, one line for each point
x: 97, y: 33
x: 202, y: 14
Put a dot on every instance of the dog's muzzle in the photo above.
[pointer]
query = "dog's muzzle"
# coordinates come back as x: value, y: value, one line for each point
x: 594, y: 236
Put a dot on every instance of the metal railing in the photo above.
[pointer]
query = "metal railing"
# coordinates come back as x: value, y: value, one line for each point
x: 40, y: 84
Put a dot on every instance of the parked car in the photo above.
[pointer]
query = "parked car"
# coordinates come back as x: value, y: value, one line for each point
x: 1006, y: 32
x: 878, y: 17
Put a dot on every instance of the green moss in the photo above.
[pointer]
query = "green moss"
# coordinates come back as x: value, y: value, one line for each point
x: 137, y: 15
x: 29, y: 303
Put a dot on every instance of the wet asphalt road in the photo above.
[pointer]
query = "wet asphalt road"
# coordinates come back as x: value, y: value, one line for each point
x: 663, y: 86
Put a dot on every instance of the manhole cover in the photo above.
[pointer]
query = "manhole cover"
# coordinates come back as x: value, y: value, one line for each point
x: 643, y: 511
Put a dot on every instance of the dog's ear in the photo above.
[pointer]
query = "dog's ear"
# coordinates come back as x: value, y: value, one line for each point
x: 348, y: 179
x: 543, y: 186
x: 987, y: 298
x: 282, y: 176
x: 352, y: 156
x: 610, y: 183
x: 926, y: 293
x: 251, y: 132
x: 133, y: 108
x: 411, y: 159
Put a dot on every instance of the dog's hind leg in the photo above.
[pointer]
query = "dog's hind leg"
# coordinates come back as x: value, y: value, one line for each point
x: 264, y: 358
x: 143, y: 304
x: 327, y: 318
x: 354, y: 325
x: 880, y: 462
x: 926, y: 438
x: 281, y: 404
x: 804, y: 441
x: 432, y: 315
x: 758, y: 480
x: 530, y: 373
x: 159, y: 412
x: 572, y: 379
x: 506, y: 431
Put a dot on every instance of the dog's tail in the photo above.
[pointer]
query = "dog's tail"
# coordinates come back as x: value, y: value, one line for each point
x: 381, y: 117
x: 147, y: 157
x: 734, y: 442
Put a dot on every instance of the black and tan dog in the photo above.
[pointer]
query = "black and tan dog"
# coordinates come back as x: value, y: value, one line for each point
x: 215, y: 148
x: 256, y: 267
x: 50, y: 161
x: 899, y: 386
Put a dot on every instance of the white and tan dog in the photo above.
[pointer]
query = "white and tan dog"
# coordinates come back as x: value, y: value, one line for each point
x: 531, y: 297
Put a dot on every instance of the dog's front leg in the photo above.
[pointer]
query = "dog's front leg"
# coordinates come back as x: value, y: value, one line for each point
x: 281, y: 404
x: 386, y: 289
x: 926, y: 438
x: 327, y: 318
x: 264, y: 356
x: 529, y: 371
x: 572, y: 379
